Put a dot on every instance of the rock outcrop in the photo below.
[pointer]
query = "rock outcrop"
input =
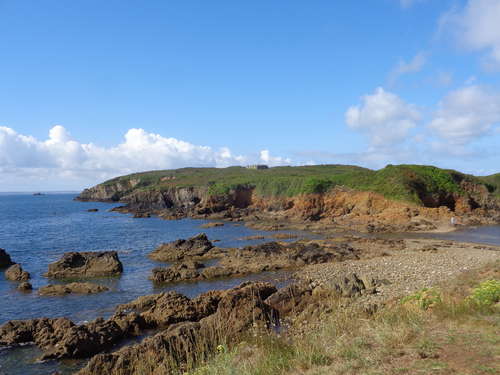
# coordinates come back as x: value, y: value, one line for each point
x: 195, y: 247
x: 189, y: 270
x: 71, y: 288
x: 236, y: 311
x: 16, y: 273
x: 61, y: 338
x: 310, y: 298
x: 269, y: 256
x: 86, y: 264
x: 5, y: 260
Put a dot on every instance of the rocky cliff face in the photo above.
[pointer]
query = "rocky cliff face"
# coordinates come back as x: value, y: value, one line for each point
x: 344, y: 207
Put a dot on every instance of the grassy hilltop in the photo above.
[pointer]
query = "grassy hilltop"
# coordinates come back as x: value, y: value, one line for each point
x: 398, y: 182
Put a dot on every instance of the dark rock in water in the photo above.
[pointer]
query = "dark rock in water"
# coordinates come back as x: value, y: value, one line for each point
x: 185, y: 271
x: 16, y: 273
x: 5, y: 260
x: 43, y: 332
x: 92, y: 210
x: 76, y: 288
x: 212, y: 225
x: 179, y: 250
x: 142, y: 215
x: 86, y: 264
x: 61, y: 338
x: 25, y: 287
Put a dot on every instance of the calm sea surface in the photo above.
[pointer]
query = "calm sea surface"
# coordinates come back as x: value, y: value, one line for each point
x: 37, y: 230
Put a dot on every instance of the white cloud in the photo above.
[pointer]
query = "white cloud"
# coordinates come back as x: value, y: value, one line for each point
x: 25, y: 159
x: 265, y: 156
x: 466, y: 114
x: 413, y: 66
x: 477, y: 27
x: 384, y: 116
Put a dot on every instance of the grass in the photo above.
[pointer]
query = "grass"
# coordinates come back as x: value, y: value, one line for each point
x: 398, y: 182
x: 458, y: 333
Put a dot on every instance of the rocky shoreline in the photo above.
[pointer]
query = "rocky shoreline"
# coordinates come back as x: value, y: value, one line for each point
x: 364, y: 271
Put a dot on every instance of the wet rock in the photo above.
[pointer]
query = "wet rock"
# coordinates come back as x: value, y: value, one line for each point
x: 185, y: 271
x: 5, y: 260
x: 76, y: 288
x: 179, y: 250
x: 25, y: 287
x: 86, y: 264
x: 16, y: 273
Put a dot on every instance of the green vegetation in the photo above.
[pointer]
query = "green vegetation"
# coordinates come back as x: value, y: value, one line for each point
x: 486, y: 294
x: 492, y: 182
x: 450, y: 336
x: 398, y: 182
x: 425, y: 298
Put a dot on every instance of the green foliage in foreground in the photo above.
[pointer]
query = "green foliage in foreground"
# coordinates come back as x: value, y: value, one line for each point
x: 486, y: 294
x: 425, y: 298
x: 398, y: 182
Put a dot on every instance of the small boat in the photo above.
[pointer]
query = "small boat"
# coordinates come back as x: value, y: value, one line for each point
x: 37, y: 194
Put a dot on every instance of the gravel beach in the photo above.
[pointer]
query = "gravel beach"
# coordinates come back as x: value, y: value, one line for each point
x: 422, y: 263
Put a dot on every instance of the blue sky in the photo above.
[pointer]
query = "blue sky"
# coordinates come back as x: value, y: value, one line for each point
x: 94, y: 89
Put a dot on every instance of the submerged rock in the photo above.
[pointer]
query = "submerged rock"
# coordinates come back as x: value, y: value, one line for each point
x: 86, y: 264
x: 25, y: 287
x: 16, y: 273
x: 5, y: 260
x: 212, y: 225
x: 77, y: 288
x: 179, y: 250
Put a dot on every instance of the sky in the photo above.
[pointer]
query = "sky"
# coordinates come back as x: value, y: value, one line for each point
x: 90, y: 89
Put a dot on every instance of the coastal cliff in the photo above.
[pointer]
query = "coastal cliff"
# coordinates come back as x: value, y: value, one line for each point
x: 395, y: 198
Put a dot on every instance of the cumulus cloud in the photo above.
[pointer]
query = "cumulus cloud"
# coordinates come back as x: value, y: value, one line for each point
x: 466, y: 114
x: 477, y: 27
x: 384, y: 117
x: 25, y: 158
x: 406, y: 67
x: 266, y: 157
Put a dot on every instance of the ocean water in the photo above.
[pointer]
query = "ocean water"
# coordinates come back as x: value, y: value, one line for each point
x: 37, y: 230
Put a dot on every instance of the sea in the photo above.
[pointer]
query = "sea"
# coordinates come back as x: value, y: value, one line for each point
x: 38, y: 229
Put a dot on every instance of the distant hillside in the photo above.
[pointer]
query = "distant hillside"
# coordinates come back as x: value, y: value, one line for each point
x: 411, y: 183
x: 493, y: 182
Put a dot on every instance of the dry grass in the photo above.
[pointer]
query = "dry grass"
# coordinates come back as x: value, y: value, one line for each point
x: 452, y: 336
